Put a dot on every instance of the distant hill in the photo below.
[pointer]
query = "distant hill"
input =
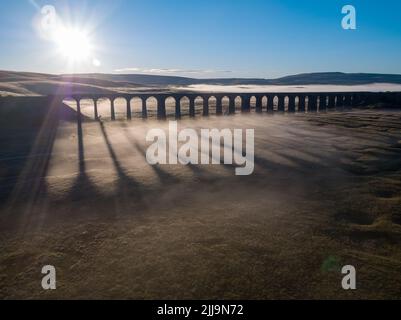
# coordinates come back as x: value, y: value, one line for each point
x: 334, y: 78
x: 338, y: 78
x: 28, y: 83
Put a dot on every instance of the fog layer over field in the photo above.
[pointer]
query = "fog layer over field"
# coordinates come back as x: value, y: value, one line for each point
x: 374, y: 87
x: 325, y: 192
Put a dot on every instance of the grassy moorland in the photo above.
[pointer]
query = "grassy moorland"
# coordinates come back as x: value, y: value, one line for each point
x: 326, y: 192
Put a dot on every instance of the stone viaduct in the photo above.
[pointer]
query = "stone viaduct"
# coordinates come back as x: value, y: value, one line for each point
x: 260, y: 102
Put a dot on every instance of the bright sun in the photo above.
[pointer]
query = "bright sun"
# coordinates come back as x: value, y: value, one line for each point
x: 73, y: 43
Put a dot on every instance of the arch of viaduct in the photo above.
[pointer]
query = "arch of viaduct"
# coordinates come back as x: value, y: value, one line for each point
x: 281, y: 102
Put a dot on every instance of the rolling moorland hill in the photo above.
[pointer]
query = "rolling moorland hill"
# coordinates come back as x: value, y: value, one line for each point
x: 27, y: 83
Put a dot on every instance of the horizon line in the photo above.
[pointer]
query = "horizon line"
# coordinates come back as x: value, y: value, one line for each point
x: 187, y: 77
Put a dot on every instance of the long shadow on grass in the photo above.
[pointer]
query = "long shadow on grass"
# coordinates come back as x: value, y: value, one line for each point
x: 129, y: 193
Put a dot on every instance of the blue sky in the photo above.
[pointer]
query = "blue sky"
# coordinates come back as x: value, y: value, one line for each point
x: 208, y: 38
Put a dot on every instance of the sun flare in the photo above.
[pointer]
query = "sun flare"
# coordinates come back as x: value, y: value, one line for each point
x: 73, y: 43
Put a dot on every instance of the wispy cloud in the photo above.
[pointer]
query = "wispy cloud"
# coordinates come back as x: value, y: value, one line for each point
x: 170, y: 70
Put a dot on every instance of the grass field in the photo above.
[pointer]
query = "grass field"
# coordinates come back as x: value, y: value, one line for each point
x: 326, y: 192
